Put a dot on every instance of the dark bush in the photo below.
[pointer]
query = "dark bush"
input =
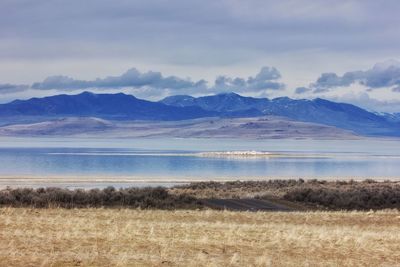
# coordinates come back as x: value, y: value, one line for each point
x: 146, y: 198
x: 353, y: 198
x: 268, y: 184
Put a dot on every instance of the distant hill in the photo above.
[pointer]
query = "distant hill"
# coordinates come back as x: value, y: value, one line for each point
x: 267, y: 127
x: 115, y: 106
x: 394, y: 117
x: 64, y: 126
x: 175, y: 108
x: 341, y: 115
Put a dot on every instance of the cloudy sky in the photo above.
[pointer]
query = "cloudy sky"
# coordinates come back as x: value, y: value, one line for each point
x: 341, y: 50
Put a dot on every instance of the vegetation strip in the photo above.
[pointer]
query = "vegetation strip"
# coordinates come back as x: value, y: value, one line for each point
x: 145, y: 198
x: 271, y: 195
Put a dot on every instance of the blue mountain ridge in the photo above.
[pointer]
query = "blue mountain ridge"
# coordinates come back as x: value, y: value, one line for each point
x: 109, y: 106
x: 181, y: 107
x: 341, y: 115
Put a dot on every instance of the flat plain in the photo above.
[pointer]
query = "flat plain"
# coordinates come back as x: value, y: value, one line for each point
x: 132, y: 237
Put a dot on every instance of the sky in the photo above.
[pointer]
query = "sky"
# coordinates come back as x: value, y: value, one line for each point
x: 347, y: 51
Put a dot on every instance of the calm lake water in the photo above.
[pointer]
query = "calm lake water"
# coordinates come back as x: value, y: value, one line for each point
x: 173, y: 158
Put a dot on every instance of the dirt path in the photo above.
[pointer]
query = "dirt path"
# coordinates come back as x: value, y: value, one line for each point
x: 246, y: 205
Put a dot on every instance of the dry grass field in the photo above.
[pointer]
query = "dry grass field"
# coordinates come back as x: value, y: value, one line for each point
x: 128, y: 237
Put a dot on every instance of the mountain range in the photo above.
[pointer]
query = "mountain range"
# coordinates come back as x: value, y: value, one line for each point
x: 341, y: 115
x: 122, y: 107
x: 111, y: 106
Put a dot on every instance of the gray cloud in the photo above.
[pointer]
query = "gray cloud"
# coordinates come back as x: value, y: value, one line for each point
x: 381, y: 75
x: 302, y: 90
x: 192, y: 37
x: 12, y: 88
x: 365, y: 101
x: 396, y: 89
x: 264, y: 80
x: 214, y: 32
x: 155, y: 82
x: 131, y: 78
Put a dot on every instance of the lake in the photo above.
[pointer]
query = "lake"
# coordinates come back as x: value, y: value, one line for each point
x: 121, y: 161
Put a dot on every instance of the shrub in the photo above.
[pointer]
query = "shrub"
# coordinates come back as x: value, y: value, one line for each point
x: 353, y: 198
x: 146, y: 198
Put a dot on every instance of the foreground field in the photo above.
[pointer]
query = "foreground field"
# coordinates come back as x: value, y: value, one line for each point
x: 127, y: 237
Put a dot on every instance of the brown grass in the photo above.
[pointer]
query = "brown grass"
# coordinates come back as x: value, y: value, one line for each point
x: 126, y: 237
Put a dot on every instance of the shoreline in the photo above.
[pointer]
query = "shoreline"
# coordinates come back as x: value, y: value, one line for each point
x: 102, y: 181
